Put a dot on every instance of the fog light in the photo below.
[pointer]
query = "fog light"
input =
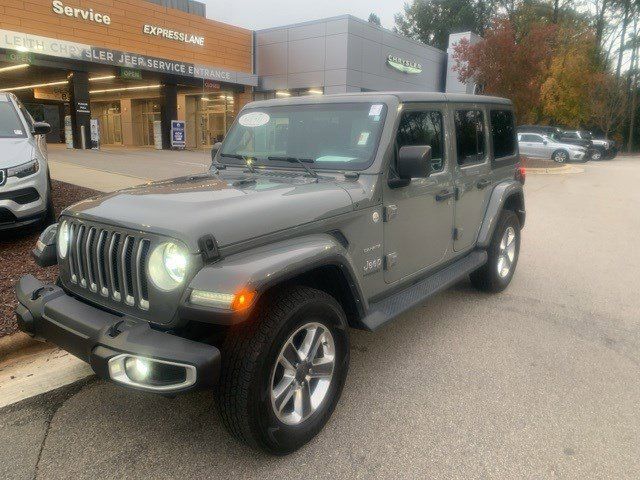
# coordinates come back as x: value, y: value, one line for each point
x: 150, y: 373
x: 137, y: 369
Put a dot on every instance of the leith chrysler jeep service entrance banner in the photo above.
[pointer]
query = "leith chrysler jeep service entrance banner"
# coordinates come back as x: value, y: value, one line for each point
x: 77, y: 51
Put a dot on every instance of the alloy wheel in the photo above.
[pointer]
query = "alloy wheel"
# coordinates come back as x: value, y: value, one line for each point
x: 560, y: 157
x: 302, y: 373
x: 507, y: 252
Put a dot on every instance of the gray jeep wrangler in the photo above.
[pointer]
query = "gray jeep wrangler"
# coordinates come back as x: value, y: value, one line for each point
x: 319, y: 214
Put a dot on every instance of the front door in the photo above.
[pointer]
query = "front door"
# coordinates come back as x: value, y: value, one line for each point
x: 473, y: 174
x: 419, y: 216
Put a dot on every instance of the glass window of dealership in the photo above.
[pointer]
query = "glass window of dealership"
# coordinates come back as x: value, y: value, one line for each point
x: 135, y: 64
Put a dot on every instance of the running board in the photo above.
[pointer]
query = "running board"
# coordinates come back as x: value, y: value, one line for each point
x: 389, y: 308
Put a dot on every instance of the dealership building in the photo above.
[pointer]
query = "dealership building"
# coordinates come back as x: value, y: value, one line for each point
x: 133, y: 66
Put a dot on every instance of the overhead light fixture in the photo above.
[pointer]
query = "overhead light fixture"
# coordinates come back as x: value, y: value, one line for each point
x: 282, y: 93
x: 122, y: 89
x: 14, y: 67
x: 35, y: 85
x: 106, y: 77
x: 315, y: 91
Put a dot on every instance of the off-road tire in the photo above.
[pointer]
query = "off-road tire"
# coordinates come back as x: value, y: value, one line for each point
x: 486, y: 278
x: 556, y: 157
x: 249, y: 354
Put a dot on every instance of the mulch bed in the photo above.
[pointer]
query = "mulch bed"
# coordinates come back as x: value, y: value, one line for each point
x: 15, y: 255
x: 528, y: 162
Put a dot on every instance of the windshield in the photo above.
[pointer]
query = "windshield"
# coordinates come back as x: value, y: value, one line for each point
x: 338, y: 136
x: 10, y: 124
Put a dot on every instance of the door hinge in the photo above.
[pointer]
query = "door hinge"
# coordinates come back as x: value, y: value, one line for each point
x: 390, y: 259
x: 457, y: 233
x: 389, y: 212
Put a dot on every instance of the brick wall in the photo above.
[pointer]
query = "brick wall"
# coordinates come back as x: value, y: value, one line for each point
x: 224, y: 46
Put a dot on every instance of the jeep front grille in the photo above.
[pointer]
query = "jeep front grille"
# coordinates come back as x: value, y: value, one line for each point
x: 109, y: 263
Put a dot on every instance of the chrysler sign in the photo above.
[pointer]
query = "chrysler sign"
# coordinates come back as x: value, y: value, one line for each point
x: 402, y: 65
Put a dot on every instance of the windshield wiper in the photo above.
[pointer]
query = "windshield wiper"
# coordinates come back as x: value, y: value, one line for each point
x: 247, y: 160
x: 301, y: 161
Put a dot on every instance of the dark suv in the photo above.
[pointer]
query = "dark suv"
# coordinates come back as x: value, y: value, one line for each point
x: 319, y: 214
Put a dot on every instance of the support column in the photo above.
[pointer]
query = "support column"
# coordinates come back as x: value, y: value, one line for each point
x: 168, y: 112
x: 80, y: 110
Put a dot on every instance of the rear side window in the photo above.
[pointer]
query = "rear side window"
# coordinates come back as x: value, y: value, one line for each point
x: 530, y: 138
x: 503, y: 133
x: 423, y: 128
x: 471, y: 140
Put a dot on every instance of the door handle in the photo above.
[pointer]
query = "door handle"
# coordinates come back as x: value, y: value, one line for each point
x: 444, y: 195
x: 483, y: 183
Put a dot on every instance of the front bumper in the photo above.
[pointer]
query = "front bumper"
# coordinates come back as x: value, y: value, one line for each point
x: 96, y: 336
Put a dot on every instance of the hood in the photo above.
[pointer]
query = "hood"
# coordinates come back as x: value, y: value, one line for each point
x: 230, y: 209
x: 15, y: 151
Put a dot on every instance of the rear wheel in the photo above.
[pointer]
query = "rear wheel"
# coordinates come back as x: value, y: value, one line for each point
x: 283, y: 371
x: 596, y: 154
x: 503, y: 252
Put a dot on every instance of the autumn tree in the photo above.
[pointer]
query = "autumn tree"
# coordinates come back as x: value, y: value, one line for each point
x: 510, y: 64
x: 570, y: 80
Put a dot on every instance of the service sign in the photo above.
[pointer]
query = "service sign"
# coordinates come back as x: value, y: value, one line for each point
x: 178, y: 139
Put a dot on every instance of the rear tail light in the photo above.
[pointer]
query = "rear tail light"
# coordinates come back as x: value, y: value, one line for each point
x: 520, y: 174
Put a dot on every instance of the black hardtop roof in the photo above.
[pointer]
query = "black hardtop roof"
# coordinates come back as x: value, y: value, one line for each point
x: 402, y: 97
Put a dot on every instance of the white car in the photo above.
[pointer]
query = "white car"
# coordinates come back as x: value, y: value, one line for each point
x: 25, y: 188
x: 543, y: 146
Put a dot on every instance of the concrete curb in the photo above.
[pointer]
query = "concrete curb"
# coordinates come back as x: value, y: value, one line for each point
x: 16, y: 342
x: 564, y: 170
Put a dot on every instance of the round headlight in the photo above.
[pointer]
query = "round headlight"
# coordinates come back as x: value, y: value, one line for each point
x: 168, y: 265
x: 63, y: 239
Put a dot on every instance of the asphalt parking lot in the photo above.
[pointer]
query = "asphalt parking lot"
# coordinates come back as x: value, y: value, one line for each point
x: 540, y: 381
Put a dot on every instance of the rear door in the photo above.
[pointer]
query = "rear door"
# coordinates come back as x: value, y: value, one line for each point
x: 419, y: 217
x: 473, y: 178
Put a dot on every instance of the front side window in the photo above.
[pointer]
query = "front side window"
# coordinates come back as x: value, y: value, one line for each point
x: 10, y: 124
x: 423, y: 128
x: 334, y: 136
x: 503, y: 133
x: 470, y: 137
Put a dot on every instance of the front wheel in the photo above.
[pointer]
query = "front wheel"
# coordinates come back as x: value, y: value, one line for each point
x: 283, y: 371
x: 560, y: 156
x: 503, y: 252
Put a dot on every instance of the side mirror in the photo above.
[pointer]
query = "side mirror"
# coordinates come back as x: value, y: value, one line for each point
x: 41, y: 128
x: 544, y: 142
x: 215, y: 149
x: 414, y: 162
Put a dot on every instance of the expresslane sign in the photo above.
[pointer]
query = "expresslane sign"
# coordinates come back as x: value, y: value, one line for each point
x: 157, y: 31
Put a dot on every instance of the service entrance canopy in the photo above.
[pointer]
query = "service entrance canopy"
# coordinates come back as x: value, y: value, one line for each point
x: 24, y: 42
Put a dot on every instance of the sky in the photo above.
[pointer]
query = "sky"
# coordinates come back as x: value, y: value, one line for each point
x: 258, y: 14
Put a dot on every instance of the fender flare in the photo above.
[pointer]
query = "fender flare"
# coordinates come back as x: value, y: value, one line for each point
x: 264, y: 267
x: 505, y: 193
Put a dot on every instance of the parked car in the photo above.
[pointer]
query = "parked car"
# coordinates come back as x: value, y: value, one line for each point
x: 318, y: 214
x: 603, y: 148
x: 543, y: 146
x: 555, y: 133
x: 25, y: 189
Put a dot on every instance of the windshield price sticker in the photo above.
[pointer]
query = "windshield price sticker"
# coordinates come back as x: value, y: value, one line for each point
x: 254, y: 119
x: 375, y: 110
